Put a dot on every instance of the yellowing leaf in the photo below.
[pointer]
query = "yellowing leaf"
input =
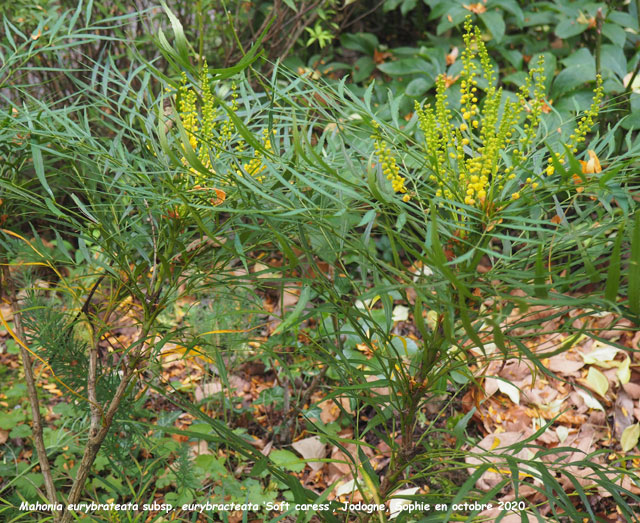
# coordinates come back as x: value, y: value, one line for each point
x: 635, y: 87
x: 366, y: 304
x: 601, y: 355
x: 432, y: 319
x: 630, y: 436
x: 562, y: 432
x: 400, y: 313
x: 345, y: 488
x: 590, y: 401
x: 597, y: 381
x: 624, y: 371
x: 510, y: 390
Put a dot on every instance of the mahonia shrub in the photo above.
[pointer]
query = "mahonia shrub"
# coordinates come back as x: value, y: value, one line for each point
x: 482, y: 156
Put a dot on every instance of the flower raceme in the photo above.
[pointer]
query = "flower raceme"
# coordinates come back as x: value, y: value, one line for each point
x: 211, y: 131
x: 482, y: 155
x: 389, y: 165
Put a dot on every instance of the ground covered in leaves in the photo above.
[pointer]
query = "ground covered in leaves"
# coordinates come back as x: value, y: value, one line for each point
x: 581, y: 400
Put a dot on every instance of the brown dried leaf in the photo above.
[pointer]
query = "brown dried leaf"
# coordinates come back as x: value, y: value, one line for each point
x: 495, y: 444
x: 207, y: 390
x: 632, y: 390
x: 290, y: 296
x: 562, y: 364
x: 311, y: 448
x: 200, y: 448
x: 622, y: 413
x: 329, y: 411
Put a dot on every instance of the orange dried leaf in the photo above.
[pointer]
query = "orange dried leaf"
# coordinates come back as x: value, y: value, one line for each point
x: 477, y: 8
x: 220, y: 197
x: 450, y: 80
x: 592, y: 166
x: 380, y: 56
x: 452, y: 56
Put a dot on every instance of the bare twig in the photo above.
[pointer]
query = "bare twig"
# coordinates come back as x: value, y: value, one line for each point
x: 32, y: 394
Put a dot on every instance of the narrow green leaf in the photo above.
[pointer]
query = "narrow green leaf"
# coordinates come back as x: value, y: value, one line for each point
x: 466, y: 323
x: 288, y: 252
x: 296, y: 312
x: 368, y: 217
x: 541, y: 276
x: 82, y: 207
x: 178, y: 31
x: 634, y: 268
x: 594, y: 275
x: 366, y: 465
x: 613, y: 274
x: 419, y: 320
x: 52, y: 207
x: 372, y: 181
x: 38, y: 165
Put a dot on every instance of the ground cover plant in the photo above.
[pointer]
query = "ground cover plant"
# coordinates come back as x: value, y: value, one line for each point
x: 237, y: 290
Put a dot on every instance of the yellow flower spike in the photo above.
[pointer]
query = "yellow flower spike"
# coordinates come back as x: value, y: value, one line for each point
x: 388, y: 163
x: 587, y: 121
x: 515, y: 196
